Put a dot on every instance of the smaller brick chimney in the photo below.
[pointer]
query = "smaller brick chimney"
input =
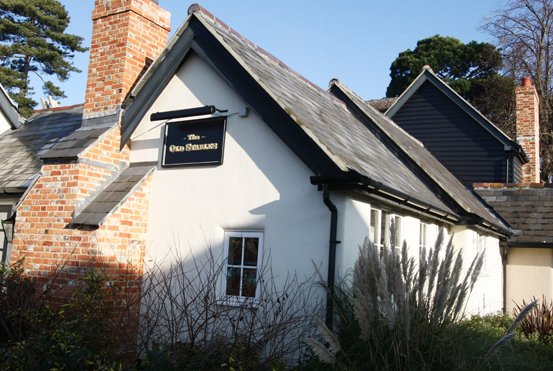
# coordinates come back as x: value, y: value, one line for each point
x: 528, y: 128
x: 127, y: 35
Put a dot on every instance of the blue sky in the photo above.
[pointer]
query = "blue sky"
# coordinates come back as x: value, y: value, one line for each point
x: 352, y: 40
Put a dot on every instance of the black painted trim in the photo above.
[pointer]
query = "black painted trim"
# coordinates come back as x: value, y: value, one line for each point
x: 209, y: 48
x: 139, y: 106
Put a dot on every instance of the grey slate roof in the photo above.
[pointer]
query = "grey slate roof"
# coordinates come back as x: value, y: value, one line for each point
x: 48, y: 134
x: 529, y: 209
x: 114, y: 195
x: 381, y: 105
x: 324, y: 118
x: 20, y: 149
x: 426, y: 160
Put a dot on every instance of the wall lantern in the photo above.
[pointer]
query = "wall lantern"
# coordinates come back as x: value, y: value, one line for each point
x: 8, y: 226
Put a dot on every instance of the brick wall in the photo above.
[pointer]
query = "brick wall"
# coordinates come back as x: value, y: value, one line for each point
x: 527, y: 110
x: 127, y: 35
x: 53, y: 248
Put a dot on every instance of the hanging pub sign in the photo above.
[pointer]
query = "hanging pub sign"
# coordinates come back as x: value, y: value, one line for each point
x: 198, y: 142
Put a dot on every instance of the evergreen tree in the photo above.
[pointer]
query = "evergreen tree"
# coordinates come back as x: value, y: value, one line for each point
x: 472, y: 70
x: 460, y: 65
x: 33, y: 39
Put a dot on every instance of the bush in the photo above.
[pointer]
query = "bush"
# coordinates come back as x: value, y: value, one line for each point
x: 398, y: 316
x: 183, y: 325
x: 76, y: 335
x: 539, y: 321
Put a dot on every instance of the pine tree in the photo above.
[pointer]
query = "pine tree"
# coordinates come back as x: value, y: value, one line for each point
x: 33, y: 39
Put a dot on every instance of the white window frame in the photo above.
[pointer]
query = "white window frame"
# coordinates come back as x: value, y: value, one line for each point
x: 239, y: 299
x: 424, y: 230
x: 383, y: 218
x: 481, y: 248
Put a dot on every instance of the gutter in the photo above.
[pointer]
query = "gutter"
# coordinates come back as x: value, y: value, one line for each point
x: 366, y: 185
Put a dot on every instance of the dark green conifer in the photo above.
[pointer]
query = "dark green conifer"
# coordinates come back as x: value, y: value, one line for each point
x: 33, y: 39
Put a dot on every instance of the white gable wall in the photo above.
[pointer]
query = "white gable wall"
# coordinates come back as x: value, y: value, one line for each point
x: 260, y: 186
x: 4, y: 123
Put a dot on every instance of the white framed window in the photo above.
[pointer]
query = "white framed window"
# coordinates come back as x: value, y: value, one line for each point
x: 423, y: 238
x: 243, y: 257
x: 480, y: 243
x: 379, y: 229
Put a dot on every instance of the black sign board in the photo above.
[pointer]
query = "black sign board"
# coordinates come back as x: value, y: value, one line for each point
x: 199, y: 142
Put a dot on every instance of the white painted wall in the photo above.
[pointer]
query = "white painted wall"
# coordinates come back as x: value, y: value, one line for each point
x: 487, y: 296
x: 4, y: 123
x: 261, y: 185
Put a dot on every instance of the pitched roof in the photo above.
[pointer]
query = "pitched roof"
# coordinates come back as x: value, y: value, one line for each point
x: 100, y: 206
x: 528, y: 209
x: 428, y: 75
x: 316, y: 125
x: 20, y: 149
x: 436, y: 176
x: 47, y: 135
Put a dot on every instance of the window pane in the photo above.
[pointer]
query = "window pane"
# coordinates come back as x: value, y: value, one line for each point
x: 384, y: 227
x: 250, y: 251
x: 398, y: 231
x: 249, y: 282
x: 374, y: 226
x: 233, y: 281
x: 235, y: 251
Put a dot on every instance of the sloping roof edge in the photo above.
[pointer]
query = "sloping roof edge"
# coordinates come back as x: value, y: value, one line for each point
x: 171, y: 58
x: 9, y: 109
x: 351, y: 97
x: 428, y: 75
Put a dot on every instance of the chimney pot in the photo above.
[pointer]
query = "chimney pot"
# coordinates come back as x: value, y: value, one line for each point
x: 526, y: 81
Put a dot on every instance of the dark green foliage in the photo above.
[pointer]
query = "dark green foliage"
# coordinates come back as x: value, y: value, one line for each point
x: 33, y: 40
x: 539, y: 321
x: 77, y: 335
x: 472, y: 70
x: 460, y: 65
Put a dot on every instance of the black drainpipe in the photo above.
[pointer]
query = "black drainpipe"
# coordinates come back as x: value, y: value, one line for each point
x: 331, y: 254
x: 505, y: 252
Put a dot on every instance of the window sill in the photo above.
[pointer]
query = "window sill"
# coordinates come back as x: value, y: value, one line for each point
x: 239, y: 303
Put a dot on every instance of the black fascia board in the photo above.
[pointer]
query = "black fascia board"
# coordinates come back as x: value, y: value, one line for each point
x: 164, y: 72
x: 259, y: 101
x: 530, y: 245
x: 397, y: 150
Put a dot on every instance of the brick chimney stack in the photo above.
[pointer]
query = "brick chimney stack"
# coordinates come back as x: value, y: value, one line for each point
x: 528, y: 128
x: 127, y: 35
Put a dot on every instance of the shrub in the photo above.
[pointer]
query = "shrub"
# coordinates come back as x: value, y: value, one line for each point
x: 185, y: 325
x: 398, y: 315
x: 539, y: 321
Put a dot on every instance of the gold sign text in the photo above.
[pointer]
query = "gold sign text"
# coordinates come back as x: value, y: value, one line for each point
x: 193, y: 147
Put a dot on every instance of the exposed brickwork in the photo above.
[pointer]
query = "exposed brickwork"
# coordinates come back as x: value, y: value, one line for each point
x: 527, y: 207
x: 127, y: 35
x: 527, y: 110
x: 53, y: 248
